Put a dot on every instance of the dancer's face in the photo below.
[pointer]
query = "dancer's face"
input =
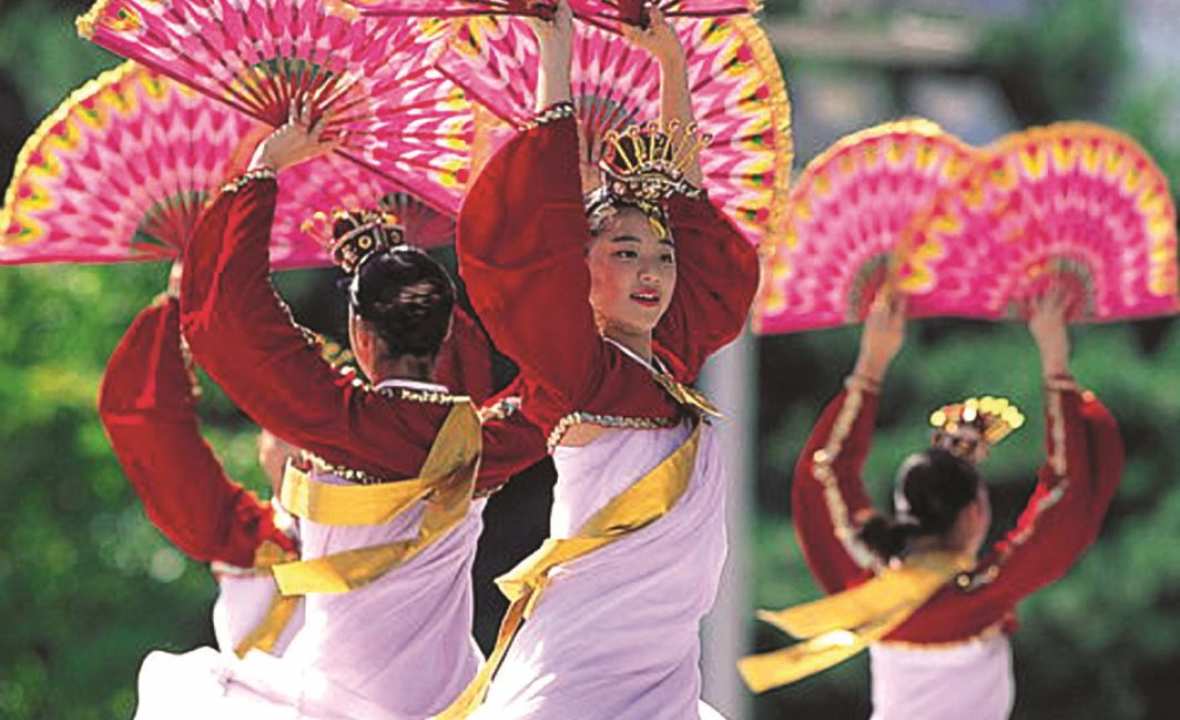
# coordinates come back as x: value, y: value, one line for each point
x: 632, y: 274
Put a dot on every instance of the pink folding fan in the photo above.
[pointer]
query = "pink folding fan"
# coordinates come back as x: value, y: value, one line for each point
x: 843, y: 219
x: 738, y: 95
x: 396, y: 116
x: 604, y: 13
x: 121, y: 170
x: 1072, y: 205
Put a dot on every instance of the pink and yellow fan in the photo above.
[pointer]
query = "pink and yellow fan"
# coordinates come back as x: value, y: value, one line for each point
x: 738, y: 94
x: 604, y: 13
x: 395, y: 115
x: 635, y: 12
x: 121, y: 170
x: 425, y: 227
x: 453, y: 8
x: 1071, y: 205
x: 845, y: 215
x: 422, y: 226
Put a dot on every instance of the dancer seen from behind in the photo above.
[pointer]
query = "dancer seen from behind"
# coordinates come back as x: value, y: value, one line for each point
x: 387, y: 496
x: 610, y: 304
x: 934, y: 612
x: 147, y: 404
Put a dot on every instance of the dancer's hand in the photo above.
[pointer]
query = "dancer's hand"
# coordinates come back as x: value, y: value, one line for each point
x: 174, y: 276
x: 883, y: 335
x: 659, y: 39
x: 1047, y: 324
x: 589, y: 153
x: 555, y: 40
x: 296, y: 141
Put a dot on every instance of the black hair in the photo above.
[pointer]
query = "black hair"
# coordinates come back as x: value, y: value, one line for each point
x: 932, y: 488
x: 407, y: 297
x: 601, y: 205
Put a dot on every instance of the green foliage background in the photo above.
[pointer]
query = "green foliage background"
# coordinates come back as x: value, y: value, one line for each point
x: 87, y: 586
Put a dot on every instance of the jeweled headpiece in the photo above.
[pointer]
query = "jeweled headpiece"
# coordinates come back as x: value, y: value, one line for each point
x: 352, y: 235
x: 991, y: 419
x: 642, y: 166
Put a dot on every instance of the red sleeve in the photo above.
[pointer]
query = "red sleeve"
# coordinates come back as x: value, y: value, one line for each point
x: 522, y: 239
x: 242, y: 333
x: 146, y: 405
x: 828, y: 498
x: 511, y: 445
x: 716, y: 279
x: 465, y: 359
x: 1061, y: 520
x: 1106, y: 455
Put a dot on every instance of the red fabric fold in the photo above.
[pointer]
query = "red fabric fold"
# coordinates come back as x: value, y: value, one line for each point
x: 146, y: 405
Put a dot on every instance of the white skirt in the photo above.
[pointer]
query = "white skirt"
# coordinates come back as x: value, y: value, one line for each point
x: 616, y: 634
x: 971, y: 680
x: 397, y: 649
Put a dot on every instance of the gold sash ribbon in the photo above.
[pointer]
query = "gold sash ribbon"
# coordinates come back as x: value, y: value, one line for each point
x: 686, y: 396
x: 445, y: 482
x: 266, y: 635
x: 645, y: 501
x: 839, y: 626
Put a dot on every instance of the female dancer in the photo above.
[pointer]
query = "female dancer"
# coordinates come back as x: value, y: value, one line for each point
x: 606, y: 317
x: 936, y: 618
x: 147, y: 403
x: 387, y: 519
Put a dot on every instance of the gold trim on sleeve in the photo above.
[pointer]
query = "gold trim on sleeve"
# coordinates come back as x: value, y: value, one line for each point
x: 822, y: 470
x: 262, y: 173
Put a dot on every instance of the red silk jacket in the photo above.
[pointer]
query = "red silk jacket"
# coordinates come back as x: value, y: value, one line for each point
x: 242, y: 333
x: 1062, y: 518
x: 522, y: 240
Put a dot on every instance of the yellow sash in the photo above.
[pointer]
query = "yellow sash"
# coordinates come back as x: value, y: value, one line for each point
x: 644, y: 502
x: 445, y: 483
x: 839, y: 626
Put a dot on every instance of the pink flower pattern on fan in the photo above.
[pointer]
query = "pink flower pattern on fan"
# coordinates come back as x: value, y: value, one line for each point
x: 452, y: 8
x: 634, y: 12
x: 332, y: 183
x: 738, y: 94
x: 397, y: 116
x: 600, y: 12
x: 121, y: 170
x: 425, y: 227
x: 843, y: 219
x: 1074, y: 205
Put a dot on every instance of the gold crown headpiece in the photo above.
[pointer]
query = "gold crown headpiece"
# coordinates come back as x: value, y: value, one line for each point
x: 993, y: 418
x: 367, y: 232
x: 644, y: 165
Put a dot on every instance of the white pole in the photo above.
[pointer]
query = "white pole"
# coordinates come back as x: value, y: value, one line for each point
x: 729, y: 381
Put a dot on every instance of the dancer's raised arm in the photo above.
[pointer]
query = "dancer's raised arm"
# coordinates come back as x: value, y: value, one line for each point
x: 148, y: 408
x: 243, y: 334
x: 829, y: 503
x: 1082, y: 470
x: 717, y: 273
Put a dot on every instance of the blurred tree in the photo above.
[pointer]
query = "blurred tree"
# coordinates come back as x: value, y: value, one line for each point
x: 1062, y: 61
